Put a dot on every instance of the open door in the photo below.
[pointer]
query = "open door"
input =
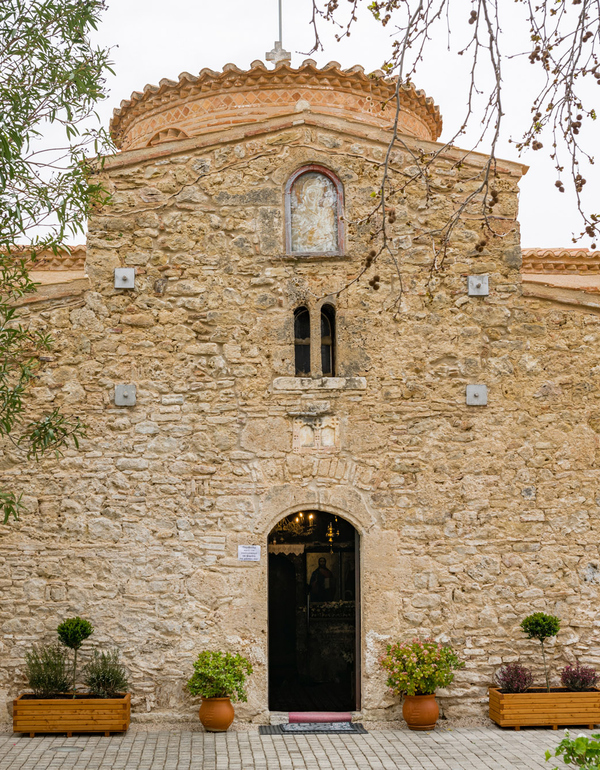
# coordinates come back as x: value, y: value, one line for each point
x: 314, y: 615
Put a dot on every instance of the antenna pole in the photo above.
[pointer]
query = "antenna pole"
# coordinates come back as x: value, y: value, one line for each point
x: 280, y: 24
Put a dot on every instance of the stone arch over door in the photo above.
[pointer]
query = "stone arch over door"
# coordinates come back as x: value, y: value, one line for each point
x: 345, y: 501
x: 342, y: 500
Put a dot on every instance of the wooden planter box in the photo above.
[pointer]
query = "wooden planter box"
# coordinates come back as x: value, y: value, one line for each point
x: 71, y: 715
x: 559, y: 707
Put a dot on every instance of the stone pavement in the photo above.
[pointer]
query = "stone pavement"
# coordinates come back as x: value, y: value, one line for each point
x: 464, y: 748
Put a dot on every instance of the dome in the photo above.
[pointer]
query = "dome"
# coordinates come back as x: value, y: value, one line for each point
x: 212, y: 101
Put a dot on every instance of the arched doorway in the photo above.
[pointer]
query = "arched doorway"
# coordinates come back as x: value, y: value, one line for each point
x: 314, y: 594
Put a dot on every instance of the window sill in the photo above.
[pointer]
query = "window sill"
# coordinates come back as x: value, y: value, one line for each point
x: 320, y: 384
x: 309, y: 257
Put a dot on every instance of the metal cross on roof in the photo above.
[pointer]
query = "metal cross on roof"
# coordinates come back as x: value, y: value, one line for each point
x: 278, y: 53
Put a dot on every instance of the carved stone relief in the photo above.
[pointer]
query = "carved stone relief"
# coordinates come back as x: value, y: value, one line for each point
x: 316, y: 434
x: 314, y: 214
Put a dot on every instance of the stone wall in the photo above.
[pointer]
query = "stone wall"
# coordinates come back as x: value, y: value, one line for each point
x: 470, y: 517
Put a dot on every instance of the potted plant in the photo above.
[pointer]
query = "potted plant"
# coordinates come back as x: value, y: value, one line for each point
x: 54, y: 704
x: 72, y: 633
x: 516, y: 703
x: 218, y: 677
x: 415, y: 670
x: 541, y: 627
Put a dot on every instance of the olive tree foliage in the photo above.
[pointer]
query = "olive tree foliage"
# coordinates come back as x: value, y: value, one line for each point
x: 564, y: 43
x: 50, y: 75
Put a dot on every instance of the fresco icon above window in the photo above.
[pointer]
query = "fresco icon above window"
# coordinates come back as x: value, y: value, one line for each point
x: 314, y: 200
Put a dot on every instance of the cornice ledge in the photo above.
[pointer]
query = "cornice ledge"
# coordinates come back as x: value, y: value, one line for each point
x: 582, y: 298
x: 355, y: 129
x: 319, y: 383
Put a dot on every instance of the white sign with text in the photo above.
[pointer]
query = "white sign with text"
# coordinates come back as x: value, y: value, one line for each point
x: 248, y: 553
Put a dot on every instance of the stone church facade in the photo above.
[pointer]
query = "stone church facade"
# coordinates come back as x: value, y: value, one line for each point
x: 269, y: 382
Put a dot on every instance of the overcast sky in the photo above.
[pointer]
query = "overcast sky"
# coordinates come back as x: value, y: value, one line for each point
x: 154, y: 39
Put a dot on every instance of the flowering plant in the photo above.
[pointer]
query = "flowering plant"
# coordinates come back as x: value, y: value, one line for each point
x: 580, y: 751
x: 220, y: 675
x: 419, y: 667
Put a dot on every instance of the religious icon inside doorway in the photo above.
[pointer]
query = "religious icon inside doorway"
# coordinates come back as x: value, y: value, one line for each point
x: 323, y: 571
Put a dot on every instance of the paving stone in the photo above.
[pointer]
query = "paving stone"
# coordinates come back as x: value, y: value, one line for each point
x: 458, y: 749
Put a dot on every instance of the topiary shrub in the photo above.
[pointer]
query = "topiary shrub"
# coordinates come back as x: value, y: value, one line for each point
x: 541, y: 627
x: 104, y: 676
x: 72, y: 633
x: 513, y: 677
x: 578, y: 677
x: 219, y: 675
x: 47, y: 670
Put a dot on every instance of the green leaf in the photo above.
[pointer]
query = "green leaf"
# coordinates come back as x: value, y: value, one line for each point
x: 11, y: 505
x: 51, y: 73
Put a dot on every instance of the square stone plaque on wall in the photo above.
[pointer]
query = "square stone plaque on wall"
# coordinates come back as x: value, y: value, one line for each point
x: 316, y: 434
x: 125, y: 395
x: 477, y: 395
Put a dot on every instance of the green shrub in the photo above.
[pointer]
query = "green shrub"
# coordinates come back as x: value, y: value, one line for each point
x: 219, y: 675
x: 72, y: 633
x: 419, y: 668
x: 541, y: 627
x: 47, y: 670
x: 104, y: 676
x: 580, y: 751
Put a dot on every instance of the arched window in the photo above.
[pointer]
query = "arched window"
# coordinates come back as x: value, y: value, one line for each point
x: 328, y: 340
x: 302, y: 341
x: 314, y: 200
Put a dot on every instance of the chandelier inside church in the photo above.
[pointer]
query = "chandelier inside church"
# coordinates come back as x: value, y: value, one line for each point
x: 300, y: 525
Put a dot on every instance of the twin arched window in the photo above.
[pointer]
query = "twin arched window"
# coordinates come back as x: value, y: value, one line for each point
x: 314, y: 203
x: 302, y: 338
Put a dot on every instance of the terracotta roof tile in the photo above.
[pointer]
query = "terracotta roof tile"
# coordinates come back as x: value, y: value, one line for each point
x: 560, y: 261
x: 129, y: 129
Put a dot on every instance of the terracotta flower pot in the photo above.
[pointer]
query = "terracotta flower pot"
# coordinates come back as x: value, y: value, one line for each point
x: 216, y: 714
x: 421, y: 712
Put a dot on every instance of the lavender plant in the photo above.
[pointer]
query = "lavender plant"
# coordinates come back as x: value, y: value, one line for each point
x: 47, y: 670
x: 104, y: 676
